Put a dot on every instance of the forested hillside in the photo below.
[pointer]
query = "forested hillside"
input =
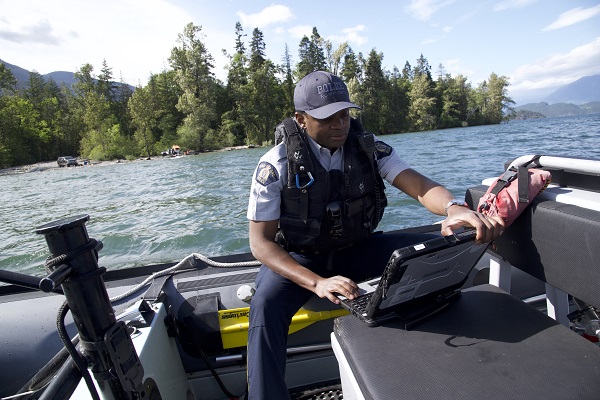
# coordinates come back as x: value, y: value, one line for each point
x: 186, y: 105
x: 560, y: 109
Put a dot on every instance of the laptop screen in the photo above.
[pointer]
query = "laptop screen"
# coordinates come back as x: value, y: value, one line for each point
x: 430, y: 274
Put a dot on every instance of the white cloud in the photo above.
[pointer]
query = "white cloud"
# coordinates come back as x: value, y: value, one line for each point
x: 558, y: 69
x: 351, y: 35
x: 300, y: 31
x: 273, y: 14
x: 508, y: 4
x: 572, y: 17
x: 39, y: 32
x: 62, y: 35
x: 424, y: 9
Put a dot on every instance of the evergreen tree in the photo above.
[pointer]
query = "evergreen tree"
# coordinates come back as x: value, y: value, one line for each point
x: 350, y: 68
x: 441, y: 73
x: 397, y: 100
x: 46, y: 99
x: 145, y: 110
x: 166, y: 92
x: 304, y: 66
x: 72, y: 125
x: 407, y: 72
x: 288, y: 83
x: 34, y: 92
x: 316, y: 51
x: 422, y: 68
x: 120, y: 107
x: 311, y: 55
x: 51, y: 89
x: 8, y: 83
x: 421, y: 111
x: 257, y: 50
x: 232, y: 131
x: 85, y: 81
x: 454, y: 101
x: 375, y: 93
x: 240, y: 48
x: 106, y: 86
x: 193, y: 65
x: 264, y: 106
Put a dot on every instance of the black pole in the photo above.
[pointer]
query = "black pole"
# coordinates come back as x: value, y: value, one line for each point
x: 87, y: 297
x: 64, y: 384
x: 27, y: 281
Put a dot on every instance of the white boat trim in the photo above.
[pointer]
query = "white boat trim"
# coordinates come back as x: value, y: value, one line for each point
x: 569, y: 164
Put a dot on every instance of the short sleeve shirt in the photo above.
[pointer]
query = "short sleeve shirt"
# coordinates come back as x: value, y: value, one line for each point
x: 270, y: 176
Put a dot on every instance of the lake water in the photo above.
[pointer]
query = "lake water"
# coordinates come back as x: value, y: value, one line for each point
x: 149, y: 212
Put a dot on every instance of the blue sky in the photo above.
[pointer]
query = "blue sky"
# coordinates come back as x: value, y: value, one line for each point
x: 538, y: 44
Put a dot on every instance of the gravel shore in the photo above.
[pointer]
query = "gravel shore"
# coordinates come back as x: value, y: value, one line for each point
x: 48, y: 165
x: 44, y: 166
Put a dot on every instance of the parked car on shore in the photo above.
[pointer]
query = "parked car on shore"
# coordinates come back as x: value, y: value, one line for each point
x: 67, y: 161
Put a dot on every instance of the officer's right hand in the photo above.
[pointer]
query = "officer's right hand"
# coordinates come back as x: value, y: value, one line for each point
x: 327, y: 287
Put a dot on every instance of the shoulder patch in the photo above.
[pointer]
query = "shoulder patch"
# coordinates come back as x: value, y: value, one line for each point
x: 266, y: 174
x: 382, y: 149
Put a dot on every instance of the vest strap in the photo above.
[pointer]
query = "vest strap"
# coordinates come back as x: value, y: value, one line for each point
x: 299, y: 171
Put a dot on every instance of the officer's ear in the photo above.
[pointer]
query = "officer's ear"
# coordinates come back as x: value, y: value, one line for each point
x: 300, y: 119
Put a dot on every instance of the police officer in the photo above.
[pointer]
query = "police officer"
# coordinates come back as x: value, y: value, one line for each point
x: 315, y: 201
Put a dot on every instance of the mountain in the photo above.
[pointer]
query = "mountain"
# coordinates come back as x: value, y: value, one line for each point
x: 20, y: 74
x: 560, y: 109
x: 60, y: 77
x: 584, y: 90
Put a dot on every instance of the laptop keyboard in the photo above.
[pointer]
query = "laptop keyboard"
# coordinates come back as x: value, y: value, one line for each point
x: 360, y: 303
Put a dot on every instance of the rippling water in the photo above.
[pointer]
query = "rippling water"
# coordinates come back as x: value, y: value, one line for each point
x: 149, y: 212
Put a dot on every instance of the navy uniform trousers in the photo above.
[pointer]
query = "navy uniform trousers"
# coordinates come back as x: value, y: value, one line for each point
x: 277, y: 299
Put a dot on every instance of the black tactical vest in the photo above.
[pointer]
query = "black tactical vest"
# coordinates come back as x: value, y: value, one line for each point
x: 323, y: 210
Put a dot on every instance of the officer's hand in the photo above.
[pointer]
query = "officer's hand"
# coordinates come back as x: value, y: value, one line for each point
x: 326, y: 287
x: 488, y: 228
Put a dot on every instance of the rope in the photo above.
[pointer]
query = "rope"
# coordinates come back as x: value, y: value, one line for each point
x: 64, y: 258
x: 79, y: 361
x: 16, y: 396
x: 180, y: 265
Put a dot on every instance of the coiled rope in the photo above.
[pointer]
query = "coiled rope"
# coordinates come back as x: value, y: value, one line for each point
x: 183, y: 265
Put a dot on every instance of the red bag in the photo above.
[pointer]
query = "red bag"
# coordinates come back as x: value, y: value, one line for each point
x: 513, y: 191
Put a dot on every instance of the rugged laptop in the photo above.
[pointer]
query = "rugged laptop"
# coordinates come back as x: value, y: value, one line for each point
x: 418, y: 281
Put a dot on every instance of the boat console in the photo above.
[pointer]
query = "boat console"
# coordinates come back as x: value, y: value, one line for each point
x: 488, y: 343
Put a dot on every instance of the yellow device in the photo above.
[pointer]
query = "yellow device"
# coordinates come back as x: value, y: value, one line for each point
x: 233, y: 323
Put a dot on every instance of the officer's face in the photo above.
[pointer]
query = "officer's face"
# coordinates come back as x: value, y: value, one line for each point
x: 331, y: 132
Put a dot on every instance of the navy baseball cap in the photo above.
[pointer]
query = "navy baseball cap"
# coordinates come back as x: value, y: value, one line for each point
x: 321, y: 94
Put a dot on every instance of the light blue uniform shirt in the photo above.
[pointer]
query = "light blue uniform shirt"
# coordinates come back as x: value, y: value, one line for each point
x: 270, y: 176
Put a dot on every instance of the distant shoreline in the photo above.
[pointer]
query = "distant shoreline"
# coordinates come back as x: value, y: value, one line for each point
x: 50, y: 165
